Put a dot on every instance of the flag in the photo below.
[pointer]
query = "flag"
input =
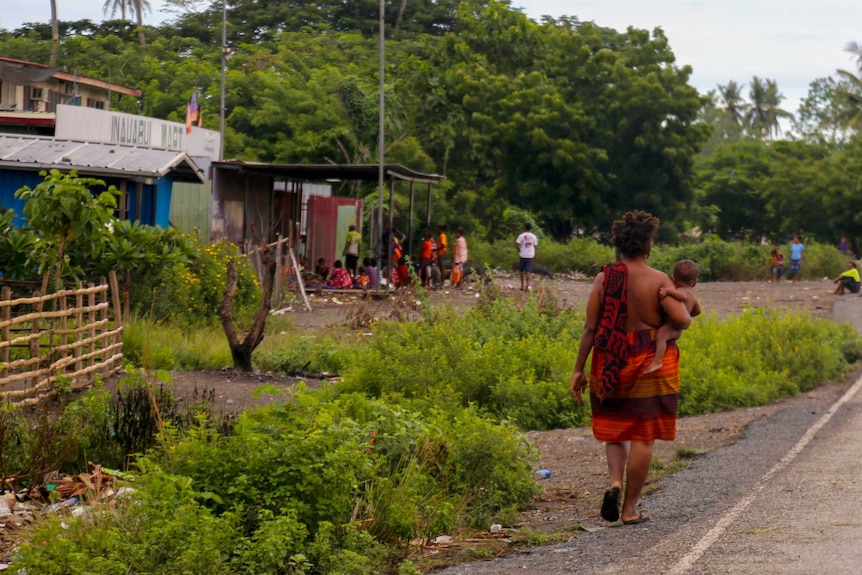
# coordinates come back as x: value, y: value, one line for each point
x: 192, y: 111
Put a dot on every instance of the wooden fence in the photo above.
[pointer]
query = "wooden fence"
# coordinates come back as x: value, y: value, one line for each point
x: 58, y: 341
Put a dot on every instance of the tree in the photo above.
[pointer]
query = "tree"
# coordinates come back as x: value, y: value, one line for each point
x: 139, y: 7
x: 55, y: 35
x: 241, y: 350
x: 64, y: 213
x: 115, y: 6
x: 764, y: 112
x: 733, y: 102
x: 850, y: 92
x: 825, y: 111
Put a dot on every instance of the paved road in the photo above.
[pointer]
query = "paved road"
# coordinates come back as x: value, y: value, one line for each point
x: 786, y: 499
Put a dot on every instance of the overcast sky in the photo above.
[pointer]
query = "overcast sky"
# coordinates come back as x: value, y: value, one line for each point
x: 792, y: 41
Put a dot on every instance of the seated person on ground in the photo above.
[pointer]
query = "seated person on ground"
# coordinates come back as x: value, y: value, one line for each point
x: 847, y: 281
x: 684, y: 278
x: 322, y: 270
x: 339, y: 278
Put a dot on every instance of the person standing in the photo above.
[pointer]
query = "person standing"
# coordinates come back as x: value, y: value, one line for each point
x: 526, y: 245
x: 426, y: 258
x: 442, y: 249
x: 797, y: 258
x: 630, y: 409
x: 459, y: 258
x: 843, y: 245
x: 351, y: 250
x: 776, y: 264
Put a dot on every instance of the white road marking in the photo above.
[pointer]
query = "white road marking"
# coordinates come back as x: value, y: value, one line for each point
x: 690, y: 558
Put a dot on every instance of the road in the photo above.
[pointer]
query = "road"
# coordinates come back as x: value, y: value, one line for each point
x: 785, y: 499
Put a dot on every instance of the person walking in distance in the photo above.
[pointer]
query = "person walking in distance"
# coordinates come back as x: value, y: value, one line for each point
x: 630, y: 408
x: 526, y: 245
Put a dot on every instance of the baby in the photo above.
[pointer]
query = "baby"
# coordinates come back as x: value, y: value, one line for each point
x: 684, y: 279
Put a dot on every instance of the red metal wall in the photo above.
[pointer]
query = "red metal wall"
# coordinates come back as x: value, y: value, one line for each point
x: 326, y: 230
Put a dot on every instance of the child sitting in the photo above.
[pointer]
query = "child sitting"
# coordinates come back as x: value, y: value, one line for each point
x: 684, y: 278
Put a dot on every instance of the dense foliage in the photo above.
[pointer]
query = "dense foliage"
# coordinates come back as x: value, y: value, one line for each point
x: 565, y: 122
x: 420, y: 438
x: 69, y: 229
x: 568, y: 120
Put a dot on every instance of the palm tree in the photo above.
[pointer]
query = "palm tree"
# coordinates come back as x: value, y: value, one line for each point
x: 117, y: 6
x: 139, y: 7
x: 55, y: 34
x: 850, y: 91
x: 764, y: 112
x: 734, y: 105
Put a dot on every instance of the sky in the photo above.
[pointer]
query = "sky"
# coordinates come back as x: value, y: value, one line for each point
x: 792, y: 42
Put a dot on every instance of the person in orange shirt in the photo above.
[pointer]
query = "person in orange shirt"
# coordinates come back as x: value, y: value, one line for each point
x: 442, y: 250
x: 426, y: 257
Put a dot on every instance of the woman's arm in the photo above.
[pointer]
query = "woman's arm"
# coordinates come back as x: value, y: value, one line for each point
x: 675, y: 310
x: 594, y: 308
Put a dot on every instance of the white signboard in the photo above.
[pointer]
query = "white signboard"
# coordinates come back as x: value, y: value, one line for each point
x: 92, y: 125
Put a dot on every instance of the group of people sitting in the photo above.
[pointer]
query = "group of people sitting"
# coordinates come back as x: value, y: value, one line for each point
x: 339, y: 277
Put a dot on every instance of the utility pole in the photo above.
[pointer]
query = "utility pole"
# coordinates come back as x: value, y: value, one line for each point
x: 384, y: 250
x: 223, y: 69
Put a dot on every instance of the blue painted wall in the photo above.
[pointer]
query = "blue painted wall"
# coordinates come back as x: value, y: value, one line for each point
x: 155, y: 205
x: 10, y: 182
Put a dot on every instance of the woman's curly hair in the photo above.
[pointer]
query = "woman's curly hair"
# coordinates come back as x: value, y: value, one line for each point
x: 632, y: 234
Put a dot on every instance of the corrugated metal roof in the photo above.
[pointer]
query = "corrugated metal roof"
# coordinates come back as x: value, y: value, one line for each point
x: 28, y: 152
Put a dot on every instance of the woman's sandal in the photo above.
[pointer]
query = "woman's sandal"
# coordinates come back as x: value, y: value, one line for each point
x: 642, y: 517
x: 611, y: 505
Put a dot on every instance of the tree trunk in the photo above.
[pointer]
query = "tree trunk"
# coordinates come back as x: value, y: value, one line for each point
x: 241, y: 351
x: 55, y: 35
x: 401, y: 13
x: 139, y: 12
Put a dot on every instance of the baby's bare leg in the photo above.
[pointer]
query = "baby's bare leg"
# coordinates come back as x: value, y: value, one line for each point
x: 665, y: 333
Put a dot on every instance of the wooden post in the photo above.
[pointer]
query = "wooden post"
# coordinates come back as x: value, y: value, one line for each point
x: 34, y: 330
x: 5, y: 318
x: 64, y: 323
x: 428, y: 225
x: 410, y: 225
x: 299, y: 283
x: 93, y: 317
x: 279, y: 269
x: 104, y: 340
x: 79, y: 321
x: 391, y: 234
x: 115, y: 297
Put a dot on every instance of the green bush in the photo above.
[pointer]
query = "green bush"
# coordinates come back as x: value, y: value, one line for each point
x: 758, y: 357
x: 162, y: 528
x: 511, y: 359
x: 322, y: 486
x: 190, y: 293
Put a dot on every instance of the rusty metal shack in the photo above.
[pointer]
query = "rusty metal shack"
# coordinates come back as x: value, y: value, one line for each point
x: 254, y: 204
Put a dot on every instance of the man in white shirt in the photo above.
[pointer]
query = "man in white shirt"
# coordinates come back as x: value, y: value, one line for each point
x: 526, y: 244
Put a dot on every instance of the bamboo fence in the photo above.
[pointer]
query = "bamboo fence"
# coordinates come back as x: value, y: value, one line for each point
x: 58, y: 341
